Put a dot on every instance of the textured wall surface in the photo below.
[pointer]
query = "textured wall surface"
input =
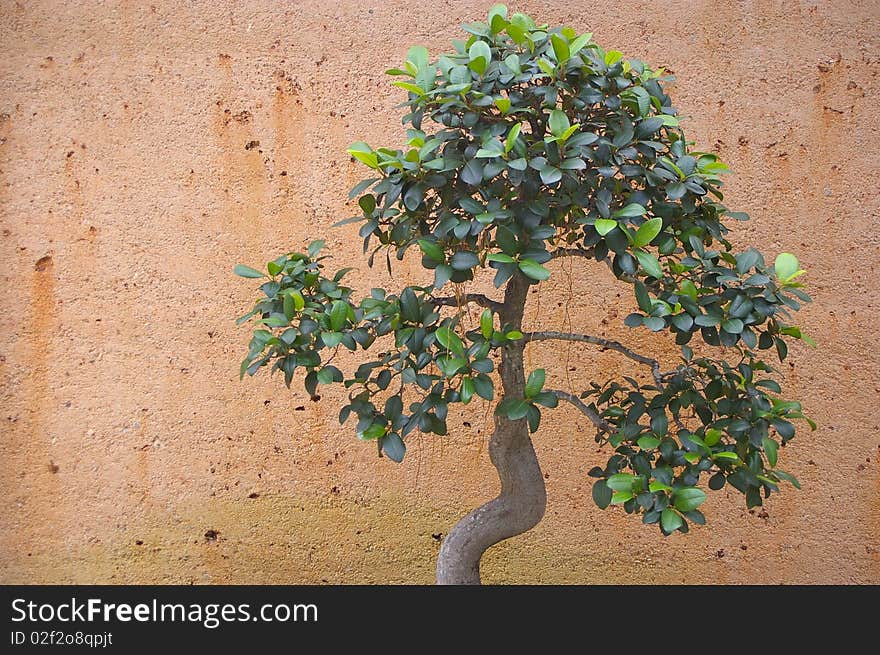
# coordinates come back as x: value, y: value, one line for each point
x: 145, y: 148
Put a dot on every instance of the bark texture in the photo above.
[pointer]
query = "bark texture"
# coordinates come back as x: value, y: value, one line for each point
x: 522, y: 501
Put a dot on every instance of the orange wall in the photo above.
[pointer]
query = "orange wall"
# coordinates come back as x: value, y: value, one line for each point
x: 127, y: 193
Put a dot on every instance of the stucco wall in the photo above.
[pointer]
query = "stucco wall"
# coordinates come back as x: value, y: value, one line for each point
x: 128, y: 189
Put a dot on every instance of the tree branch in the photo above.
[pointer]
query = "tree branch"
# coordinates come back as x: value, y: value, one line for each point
x: 476, y: 298
x: 585, y: 409
x: 606, y: 344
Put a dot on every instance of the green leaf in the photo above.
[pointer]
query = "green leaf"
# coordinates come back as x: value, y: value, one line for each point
x: 630, y: 211
x: 512, y: 62
x: 788, y: 477
x: 375, y: 431
x: 414, y: 196
x: 506, y: 240
x: 442, y: 275
x: 393, y: 447
x: 621, y: 481
x: 565, y: 136
x: 601, y: 494
x: 621, y: 497
x: 418, y: 56
x: 533, y: 269
x: 364, y: 153
x: 647, y: 231
x: 409, y: 86
x: 489, y: 153
x: 409, y: 306
x: 643, y: 100
x: 712, y: 437
x: 746, y: 260
x: 464, y: 260
x: 361, y: 186
x: 688, y: 499
x: 771, y: 449
x: 732, y: 326
x: 717, y: 481
x: 546, y: 67
x: 533, y: 416
x: 650, y: 264
x: 511, y: 137
x: 558, y: 122
x: 451, y: 365
x: 605, y: 225
x: 487, y: 324
x: 368, y: 204
x: 513, y: 335
x: 247, y: 271
x: 633, y: 320
x: 612, y: 57
x: 689, y: 289
x: 289, y: 305
x: 450, y: 340
x: 466, y: 390
x: 786, y: 266
x: 479, y: 55
x: 560, y: 48
x: 472, y: 173
x: 547, y: 399
x: 648, y: 442
x: 535, y: 382
x: 577, y: 45
x: 329, y: 374
x: 670, y: 521
x: 331, y: 339
x: 513, y: 408
x: 432, y: 250
x: 497, y: 18
x: 501, y: 258
x: 503, y: 104
x: 550, y: 175
x: 244, y: 319
x: 642, y: 297
x: 484, y: 387
x: 683, y: 321
x: 338, y: 315
x: 471, y: 206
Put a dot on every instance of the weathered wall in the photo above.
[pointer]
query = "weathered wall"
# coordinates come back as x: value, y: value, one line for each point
x: 131, y: 453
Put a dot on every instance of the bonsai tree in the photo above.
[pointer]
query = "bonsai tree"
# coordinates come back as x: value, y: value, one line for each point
x: 528, y: 144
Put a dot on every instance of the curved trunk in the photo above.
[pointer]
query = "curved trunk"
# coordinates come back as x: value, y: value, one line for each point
x: 520, y: 505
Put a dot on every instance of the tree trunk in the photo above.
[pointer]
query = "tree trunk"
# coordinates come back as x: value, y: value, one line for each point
x: 520, y: 505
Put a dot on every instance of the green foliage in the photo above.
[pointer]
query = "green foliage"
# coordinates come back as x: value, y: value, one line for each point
x: 428, y: 353
x: 524, y: 144
x: 741, y: 423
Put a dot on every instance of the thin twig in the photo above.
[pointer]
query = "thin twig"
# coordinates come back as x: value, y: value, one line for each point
x: 585, y: 409
x: 589, y: 253
x: 476, y: 298
x: 606, y: 344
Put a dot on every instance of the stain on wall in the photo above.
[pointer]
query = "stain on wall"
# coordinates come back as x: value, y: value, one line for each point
x: 147, y: 148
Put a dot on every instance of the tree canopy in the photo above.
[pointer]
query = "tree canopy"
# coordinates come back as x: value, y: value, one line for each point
x: 523, y: 145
